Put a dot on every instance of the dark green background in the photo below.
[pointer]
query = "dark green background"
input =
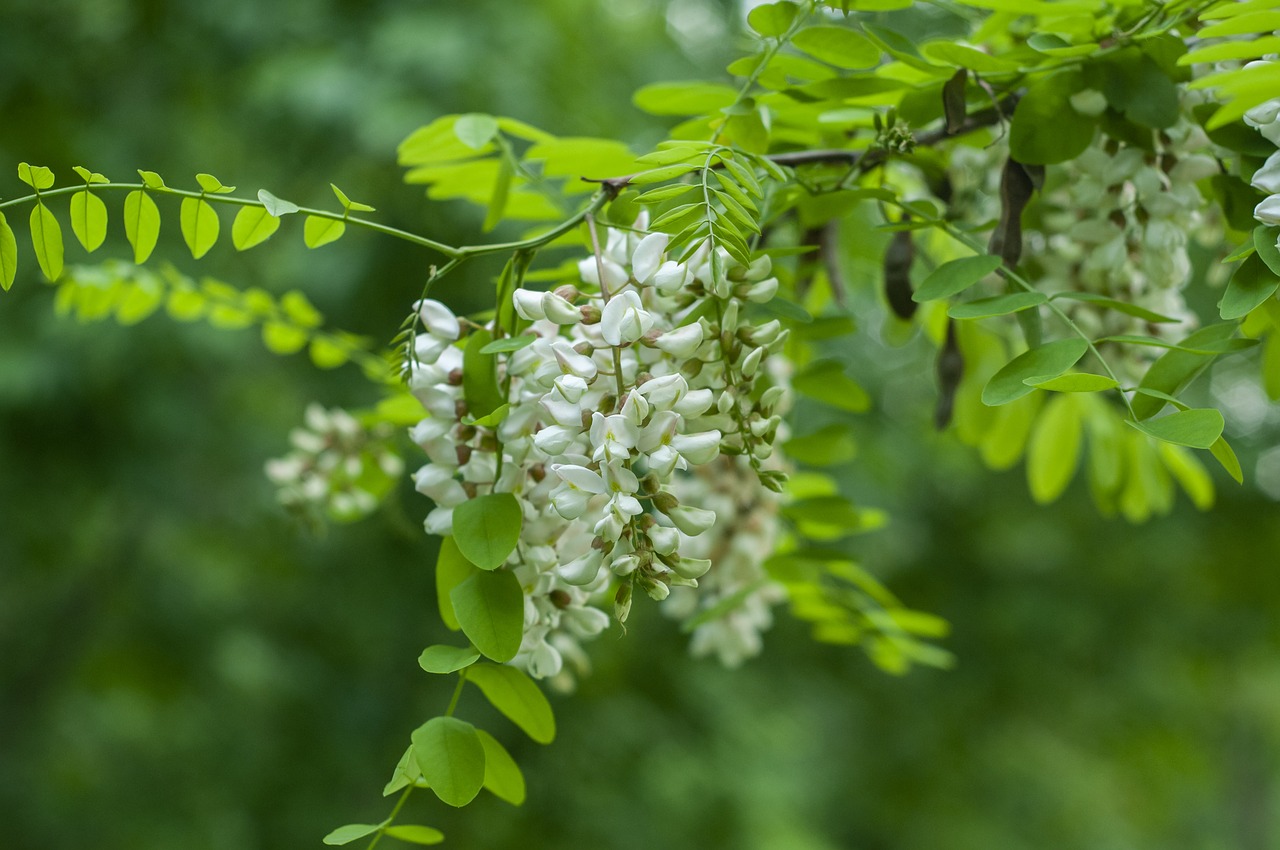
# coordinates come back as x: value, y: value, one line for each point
x: 182, y: 666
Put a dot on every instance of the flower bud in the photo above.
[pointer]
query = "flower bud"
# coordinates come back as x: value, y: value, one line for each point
x: 559, y: 310
x: 528, y: 304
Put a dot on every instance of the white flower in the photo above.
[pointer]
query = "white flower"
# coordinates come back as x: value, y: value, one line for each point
x: 624, y: 319
x: 664, y: 392
x: 1268, y: 212
x: 555, y: 439
x: 1267, y: 178
x: 692, y: 521
x: 615, y: 276
x: 698, y: 448
x: 612, y: 436
x: 762, y: 291
x: 528, y: 304
x: 578, y: 485
x: 438, y: 319
x: 583, y: 569
x: 695, y: 403
x: 683, y: 342
x: 559, y: 310
x: 671, y: 277
x: 436, y: 482
x: 648, y: 257
x: 573, y: 363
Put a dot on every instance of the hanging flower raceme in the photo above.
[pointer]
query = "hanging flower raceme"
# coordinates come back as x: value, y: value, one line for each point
x: 645, y: 377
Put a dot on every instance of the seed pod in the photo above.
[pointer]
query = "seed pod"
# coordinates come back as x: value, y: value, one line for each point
x: 950, y: 368
x: 1016, y: 188
x: 897, y: 273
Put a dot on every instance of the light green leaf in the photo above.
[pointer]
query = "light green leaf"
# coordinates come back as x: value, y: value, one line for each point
x: 300, y: 310
x: 415, y: 834
x: 8, y: 254
x: 507, y: 344
x: 321, y: 231
x: 1190, y: 474
x: 138, y: 302
x: 451, y: 570
x: 280, y: 338
x: 838, y: 46
x: 406, y: 773
x: 326, y: 353
x: 36, y: 176
x: 832, y: 444
x: 212, y: 185
x: 351, y: 832
x: 88, y: 220
x: 513, y: 693
x: 151, y: 180
x: 347, y: 203
x: 683, y: 98
x: 199, y: 225
x: 480, y: 386
x: 1117, y: 305
x: 1000, y: 305
x: 276, y: 206
x: 487, y: 529
x: 490, y: 420
x: 141, y: 224
x: 1199, y: 428
x: 1046, y: 128
x: 253, y: 226
x: 960, y: 56
x: 446, y: 659
x: 772, y: 19
x: 46, y: 237
x: 1226, y: 456
x: 489, y: 607
x: 502, y: 775
x: 825, y: 381
x: 1265, y: 241
x: 1074, y: 382
x: 954, y: 277
x: 1251, y: 284
x: 476, y: 129
x: 89, y: 177
x: 451, y: 759
x: 1175, y: 369
x: 1054, y: 449
x: 1046, y: 361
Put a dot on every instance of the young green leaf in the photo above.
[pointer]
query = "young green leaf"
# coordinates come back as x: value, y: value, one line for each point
x: 351, y: 832
x: 199, y: 224
x: 1054, y: 449
x: 276, y: 206
x: 837, y: 46
x: 1226, y: 456
x: 826, y: 382
x: 88, y: 220
x: 772, y: 19
x: 327, y: 353
x: 36, y: 176
x: 512, y: 692
x: 480, y: 386
x: 89, y: 177
x: 1251, y: 284
x: 1046, y: 361
x: 414, y: 834
x: 475, y: 130
x: 490, y: 609
x: 1117, y: 305
x: 348, y: 204
x: 141, y: 224
x: 446, y: 659
x: 151, y: 180
x: 1267, y: 242
x: 955, y: 277
x: 1175, y: 368
x: 502, y: 775
x: 451, y: 758
x: 253, y: 226
x: 321, y: 231
x: 46, y: 238
x: 1199, y: 428
x: 508, y: 344
x: 282, y: 339
x: 999, y: 305
x: 1046, y: 128
x: 8, y: 254
x: 1074, y: 382
x: 212, y: 185
x: 451, y: 570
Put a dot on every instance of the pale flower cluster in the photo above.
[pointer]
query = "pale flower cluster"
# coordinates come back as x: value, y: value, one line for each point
x: 1265, y: 118
x: 644, y: 376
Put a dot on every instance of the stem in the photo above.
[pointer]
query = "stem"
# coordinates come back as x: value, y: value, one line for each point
x: 604, y: 291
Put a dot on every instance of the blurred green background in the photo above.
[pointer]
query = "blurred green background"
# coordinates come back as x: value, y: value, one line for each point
x: 181, y: 665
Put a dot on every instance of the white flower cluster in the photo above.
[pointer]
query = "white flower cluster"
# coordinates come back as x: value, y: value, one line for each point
x: 338, y: 468
x: 1265, y: 118
x: 624, y: 390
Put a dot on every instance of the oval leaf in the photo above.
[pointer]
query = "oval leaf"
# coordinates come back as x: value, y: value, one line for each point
x: 772, y: 19
x: 826, y: 382
x: 1000, y: 305
x: 199, y: 225
x: 1117, y: 305
x: 276, y: 206
x: 36, y: 176
x: 46, y: 238
x: 1054, y: 449
x: 8, y: 254
x: 480, y: 387
x: 1199, y: 428
x: 451, y: 570
x: 141, y: 224
x: 351, y: 832
x: 321, y: 231
x: 1076, y: 382
x: 511, y: 343
x: 1267, y: 242
x: 88, y: 220
x: 502, y: 775
x: 1044, y: 362
x: 416, y: 834
x: 490, y: 610
x: 451, y: 758
x: 956, y: 276
x: 1251, y: 284
x: 838, y: 46
x: 512, y: 692
x: 446, y: 659
x: 487, y: 529
x: 253, y: 226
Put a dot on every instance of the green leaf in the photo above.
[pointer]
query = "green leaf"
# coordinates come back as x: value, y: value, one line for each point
x: 838, y: 46
x: 451, y: 570
x: 276, y: 206
x: 502, y: 775
x: 321, y: 231
x: 36, y: 176
x: 326, y: 353
x: 1046, y: 128
x: 487, y: 529
x: 1199, y: 428
x: 347, y: 203
x: 212, y: 185
x: 772, y: 19
x: 446, y: 659
x: 253, y: 226
x: 1074, y: 382
x: 1046, y: 361
x: 1000, y: 305
x: 8, y: 254
x: 1175, y: 368
x: 512, y: 692
x: 1117, y: 305
x: 89, y: 177
x: 832, y: 444
x: 683, y: 98
x: 490, y: 420
x: 151, y: 180
x: 451, y: 759
x: 490, y: 609
x: 1251, y: 284
x: 199, y: 225
x: 1226, y: 456
x: 954, y: 277
x: 475, y: 130
x: 480, y: 387
x: 415, y: 834
x: 1265, y: 241
x: 88, y: 220
x: 351, y: 832
x: 511, y: 343
x: 46, y: 237
x: 406, y: 773
x: 825, y: 381
x: 141, y: 224
x: 960, y: 56
x: 1054, y: 449
x: 280, y: 338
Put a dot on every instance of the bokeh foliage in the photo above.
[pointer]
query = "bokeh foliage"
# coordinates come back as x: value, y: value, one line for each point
x: 182, y: 665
